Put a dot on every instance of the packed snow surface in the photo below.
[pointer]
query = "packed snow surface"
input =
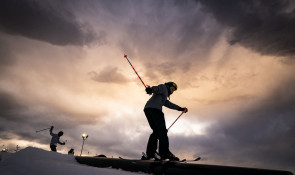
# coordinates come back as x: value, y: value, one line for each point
x: 34, y: 161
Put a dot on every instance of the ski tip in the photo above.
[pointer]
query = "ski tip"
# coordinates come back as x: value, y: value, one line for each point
x: 199, y: 158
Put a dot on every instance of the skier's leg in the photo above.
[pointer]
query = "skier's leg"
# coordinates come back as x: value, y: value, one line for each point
x: 162, y: 131
x: 53, y: 148
x: 153, y: 139
x: 152, y: 145
x: 163, y: 139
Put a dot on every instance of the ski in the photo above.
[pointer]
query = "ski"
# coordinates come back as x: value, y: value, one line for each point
x: 181, y: 161
x: 158, y: 158
x: 132, y: 161
x: 193, y: 160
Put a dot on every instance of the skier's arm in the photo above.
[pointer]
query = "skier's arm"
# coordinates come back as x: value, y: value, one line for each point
x: 61, y: 143
x: 184, y: 110
x: 171, y: 105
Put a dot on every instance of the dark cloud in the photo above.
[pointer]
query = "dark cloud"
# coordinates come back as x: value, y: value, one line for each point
x: 8, y: 104
x: 175, y: 31
x: 6, y: 57
x: 49, y: 22
x: 13, y: 118
x: 108, y: 75
x: 265, y: 133
x: 169, y: 29
x: 265, y: 26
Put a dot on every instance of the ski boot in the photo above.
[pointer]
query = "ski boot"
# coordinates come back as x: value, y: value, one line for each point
x: 146, y: 157
x: 169, y: 156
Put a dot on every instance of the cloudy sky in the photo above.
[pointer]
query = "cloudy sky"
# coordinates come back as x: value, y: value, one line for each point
x: 62, y: 64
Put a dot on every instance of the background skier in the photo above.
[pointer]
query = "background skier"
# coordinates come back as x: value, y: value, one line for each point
x: 55, y: 139
x: 155, y: 117
x: 71, y: 152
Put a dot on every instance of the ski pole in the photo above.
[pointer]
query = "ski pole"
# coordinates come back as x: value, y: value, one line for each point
x: 175, y: 121
x: 125, y: 56
x: 42, y: 130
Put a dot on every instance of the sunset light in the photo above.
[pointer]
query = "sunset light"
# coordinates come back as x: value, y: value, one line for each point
x: 63, y: 64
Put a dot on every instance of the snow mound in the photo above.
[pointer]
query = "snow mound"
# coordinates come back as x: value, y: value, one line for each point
x: 35, y: 161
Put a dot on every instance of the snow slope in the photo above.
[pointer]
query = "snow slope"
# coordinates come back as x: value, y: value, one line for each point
x: 36, y: 161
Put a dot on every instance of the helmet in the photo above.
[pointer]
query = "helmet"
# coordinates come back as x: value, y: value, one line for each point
x: 170, y: 84
x: 60, y: 133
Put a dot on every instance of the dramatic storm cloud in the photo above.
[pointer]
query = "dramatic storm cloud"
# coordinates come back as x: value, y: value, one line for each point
x: 264, y: 26
x: 50, y: 22
x: 62, y: 64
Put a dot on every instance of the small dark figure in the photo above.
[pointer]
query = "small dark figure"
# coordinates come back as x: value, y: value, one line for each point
x: 101, y: 155
x: 71, y: 152
x: 55, y: 139
x: 156, y: 119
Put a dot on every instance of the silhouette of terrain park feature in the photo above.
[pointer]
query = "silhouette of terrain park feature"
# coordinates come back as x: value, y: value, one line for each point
x: 173, y: 168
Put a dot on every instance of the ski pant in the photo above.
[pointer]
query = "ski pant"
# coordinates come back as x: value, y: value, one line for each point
x: 53, y: 147
x: 156, y: 121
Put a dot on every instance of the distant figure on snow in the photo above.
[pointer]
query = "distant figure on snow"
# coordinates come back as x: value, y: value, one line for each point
x: 55, y: 139
x: 71, y: 152
x: 156, y: 120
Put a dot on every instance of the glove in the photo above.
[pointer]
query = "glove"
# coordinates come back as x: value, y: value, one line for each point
x: 149, y: 90
x: 183, y: 109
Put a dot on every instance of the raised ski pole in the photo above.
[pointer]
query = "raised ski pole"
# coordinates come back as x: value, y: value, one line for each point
x: 42, y: 130
x: 125, y: 56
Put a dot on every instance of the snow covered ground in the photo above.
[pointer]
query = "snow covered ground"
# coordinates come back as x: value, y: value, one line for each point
x: 35, y: 161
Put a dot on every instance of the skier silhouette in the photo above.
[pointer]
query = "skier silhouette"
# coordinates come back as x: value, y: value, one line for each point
x: 71, y: 152
x: 156, y: 119
x: 55, y: 139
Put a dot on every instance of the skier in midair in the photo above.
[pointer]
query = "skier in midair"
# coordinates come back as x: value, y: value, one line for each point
x: 156, y: 120
x: 55, y: 139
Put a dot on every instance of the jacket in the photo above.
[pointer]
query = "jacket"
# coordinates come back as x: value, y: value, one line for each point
x: 159, y: 98
x: 54, y: 139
